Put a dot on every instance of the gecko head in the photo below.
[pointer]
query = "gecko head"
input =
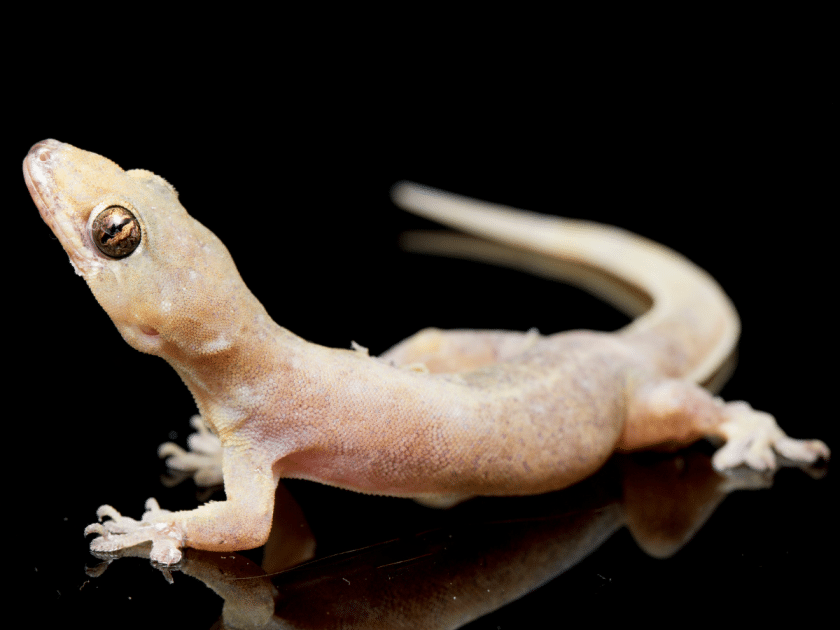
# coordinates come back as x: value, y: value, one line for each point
x: 166, y: 281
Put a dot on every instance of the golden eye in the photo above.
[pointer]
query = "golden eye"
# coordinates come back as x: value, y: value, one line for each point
x: 116, y: 232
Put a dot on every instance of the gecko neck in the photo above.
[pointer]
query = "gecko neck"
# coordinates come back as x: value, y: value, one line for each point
x: 231, y: 385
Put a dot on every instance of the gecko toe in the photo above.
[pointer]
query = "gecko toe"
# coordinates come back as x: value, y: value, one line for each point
x: 121, y: 532
x: 203, y: 460
x: 755, y: 439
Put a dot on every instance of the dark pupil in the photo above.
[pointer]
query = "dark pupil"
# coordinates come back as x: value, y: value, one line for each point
x: 112, y: 229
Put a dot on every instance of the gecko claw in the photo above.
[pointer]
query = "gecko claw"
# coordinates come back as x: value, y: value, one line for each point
x: 94, y: 528
x: 106, y: 510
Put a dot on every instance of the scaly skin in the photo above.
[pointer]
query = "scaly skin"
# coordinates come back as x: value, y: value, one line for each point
x: 441, y: 417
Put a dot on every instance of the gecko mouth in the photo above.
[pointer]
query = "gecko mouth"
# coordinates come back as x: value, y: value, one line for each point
x: 38, y: 173
x: 39, y: 152
x: 39, y: 177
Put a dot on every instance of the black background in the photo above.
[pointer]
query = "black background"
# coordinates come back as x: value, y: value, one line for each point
x: 288, y: 158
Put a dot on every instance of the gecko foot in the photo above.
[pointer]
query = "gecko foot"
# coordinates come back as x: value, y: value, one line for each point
x: 121, y: 532
x: 753, y: 438
x: 203, y: 459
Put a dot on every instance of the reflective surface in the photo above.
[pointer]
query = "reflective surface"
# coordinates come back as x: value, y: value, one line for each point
x: 337, y: 277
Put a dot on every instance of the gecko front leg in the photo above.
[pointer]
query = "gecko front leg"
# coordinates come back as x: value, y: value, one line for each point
x: 121, y: 532
x: 242, y: 521
x: 203, y: 458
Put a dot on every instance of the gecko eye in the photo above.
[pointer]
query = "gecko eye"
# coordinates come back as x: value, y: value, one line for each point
x: 116, y: 232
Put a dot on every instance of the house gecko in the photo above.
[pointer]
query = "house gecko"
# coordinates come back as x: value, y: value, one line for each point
x: 442, y: 416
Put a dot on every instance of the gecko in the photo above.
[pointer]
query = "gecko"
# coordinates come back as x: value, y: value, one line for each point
x: 444, y: 415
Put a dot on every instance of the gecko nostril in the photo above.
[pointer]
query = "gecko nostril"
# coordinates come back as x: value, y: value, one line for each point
x: 45, y: 155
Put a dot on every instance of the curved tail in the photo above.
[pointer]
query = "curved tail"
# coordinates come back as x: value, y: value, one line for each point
x: 688, y: 307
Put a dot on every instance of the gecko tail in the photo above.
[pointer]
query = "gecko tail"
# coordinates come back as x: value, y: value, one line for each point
x: 668, y: 293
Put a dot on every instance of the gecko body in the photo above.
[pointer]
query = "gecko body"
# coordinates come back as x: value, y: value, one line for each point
x: 442, y: 416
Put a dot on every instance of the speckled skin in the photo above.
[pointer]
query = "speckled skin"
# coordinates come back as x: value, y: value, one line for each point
x: 440, y: 417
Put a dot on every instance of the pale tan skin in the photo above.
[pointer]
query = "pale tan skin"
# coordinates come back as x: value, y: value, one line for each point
x: 440, y: 417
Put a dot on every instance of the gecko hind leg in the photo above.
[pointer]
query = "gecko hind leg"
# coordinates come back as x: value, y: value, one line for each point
x: 441, y: 501
x: 449, y: 351
x: 754, y: 438
x: 671, y: 413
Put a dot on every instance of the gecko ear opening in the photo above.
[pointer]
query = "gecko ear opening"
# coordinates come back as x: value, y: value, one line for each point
x: 116, y: 232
